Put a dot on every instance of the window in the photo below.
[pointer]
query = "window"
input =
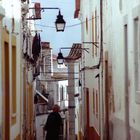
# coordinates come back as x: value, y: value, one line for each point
x: 61, y: 93
x: 61, y: 66
x: 65, y: 93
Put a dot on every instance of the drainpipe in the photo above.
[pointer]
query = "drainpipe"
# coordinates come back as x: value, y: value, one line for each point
x: 101, y: 68
x: 126, y: 90
x: 127, y: 114
x: 106, y: 102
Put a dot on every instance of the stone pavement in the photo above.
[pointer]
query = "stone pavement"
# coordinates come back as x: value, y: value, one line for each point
x: 40, y: 121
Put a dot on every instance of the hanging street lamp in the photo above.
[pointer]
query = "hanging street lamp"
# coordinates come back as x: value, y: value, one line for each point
x: 60, y: 23
x: 60, y: 58
x: 76, y: 51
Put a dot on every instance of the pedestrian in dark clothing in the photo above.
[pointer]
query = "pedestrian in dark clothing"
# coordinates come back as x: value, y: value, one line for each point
x: 53, y: 124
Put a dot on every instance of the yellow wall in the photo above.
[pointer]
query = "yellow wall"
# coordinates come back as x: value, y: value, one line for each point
x: 7, y: 104
x: 5, y: 85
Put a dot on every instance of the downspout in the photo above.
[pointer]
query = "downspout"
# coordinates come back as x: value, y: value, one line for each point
x: 127, y: 114
x: 106, y: 102
x: 82, y: 72
x: 101, y: 64
x: 126, y: 92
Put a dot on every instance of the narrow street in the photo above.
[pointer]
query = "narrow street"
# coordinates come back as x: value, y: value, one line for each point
x: 40, y: 122
x: 74, y: 64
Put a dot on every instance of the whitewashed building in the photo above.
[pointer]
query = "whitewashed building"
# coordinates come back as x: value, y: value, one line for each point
x: 110, y: 72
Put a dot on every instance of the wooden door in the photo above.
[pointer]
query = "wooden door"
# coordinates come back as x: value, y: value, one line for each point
x: 87, y: 113
x: 6, y: 93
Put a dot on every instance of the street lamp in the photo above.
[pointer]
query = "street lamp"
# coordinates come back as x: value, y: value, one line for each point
x: 59, y: 23
x: 60, y: 58
x: 77, y: 51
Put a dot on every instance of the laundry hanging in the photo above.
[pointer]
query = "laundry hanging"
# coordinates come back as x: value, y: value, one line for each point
x: 24, y: 45
x: 36, y: 46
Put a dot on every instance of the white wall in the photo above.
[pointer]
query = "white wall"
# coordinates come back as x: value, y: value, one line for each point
x: 2, y: 12
x: 117, y: 14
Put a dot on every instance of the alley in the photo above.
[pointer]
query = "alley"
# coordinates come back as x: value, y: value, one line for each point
x: 40, y: 122
x: 75, y: 63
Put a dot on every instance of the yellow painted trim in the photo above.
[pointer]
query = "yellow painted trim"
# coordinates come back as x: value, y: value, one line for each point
x: 14, y: 93
x: 5, y: 39
x: 5, y: 35
x: 13, y: 40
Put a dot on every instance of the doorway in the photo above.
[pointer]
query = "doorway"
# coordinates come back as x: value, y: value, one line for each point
x: 6, y: 93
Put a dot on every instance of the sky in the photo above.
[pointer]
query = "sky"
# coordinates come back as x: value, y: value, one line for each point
x: 72, y: 32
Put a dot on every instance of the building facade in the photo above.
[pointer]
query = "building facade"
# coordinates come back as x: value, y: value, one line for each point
x: 16, y: 87
x: 111, y: 30
x: 10, y: 70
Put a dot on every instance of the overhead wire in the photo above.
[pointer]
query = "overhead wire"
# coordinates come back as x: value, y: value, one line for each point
x: 68, y: 26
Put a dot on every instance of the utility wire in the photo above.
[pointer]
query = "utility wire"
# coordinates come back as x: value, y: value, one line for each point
x: 77, y: 24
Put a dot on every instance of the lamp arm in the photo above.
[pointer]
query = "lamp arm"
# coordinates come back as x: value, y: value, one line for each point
x: 85, y: 49
x: 43, y: 8
x: 94, y: 43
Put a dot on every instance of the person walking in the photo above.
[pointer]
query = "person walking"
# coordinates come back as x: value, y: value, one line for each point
x: 53, y: 124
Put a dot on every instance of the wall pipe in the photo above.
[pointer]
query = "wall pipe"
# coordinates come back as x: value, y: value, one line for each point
x: 101, y: 64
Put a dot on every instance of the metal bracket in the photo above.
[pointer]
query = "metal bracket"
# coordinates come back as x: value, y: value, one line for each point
x: 41, y: 9
x: 84, y: 49
x: 32, y: 18
x: 94, y: 43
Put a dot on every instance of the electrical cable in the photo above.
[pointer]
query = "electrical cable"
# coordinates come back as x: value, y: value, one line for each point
x: 77, y: 24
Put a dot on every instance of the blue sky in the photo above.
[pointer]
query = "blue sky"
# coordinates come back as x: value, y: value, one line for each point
x: 71, y: 34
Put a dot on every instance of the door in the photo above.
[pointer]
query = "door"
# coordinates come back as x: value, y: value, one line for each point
x: 87, y: 113
x: 6, y: 93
